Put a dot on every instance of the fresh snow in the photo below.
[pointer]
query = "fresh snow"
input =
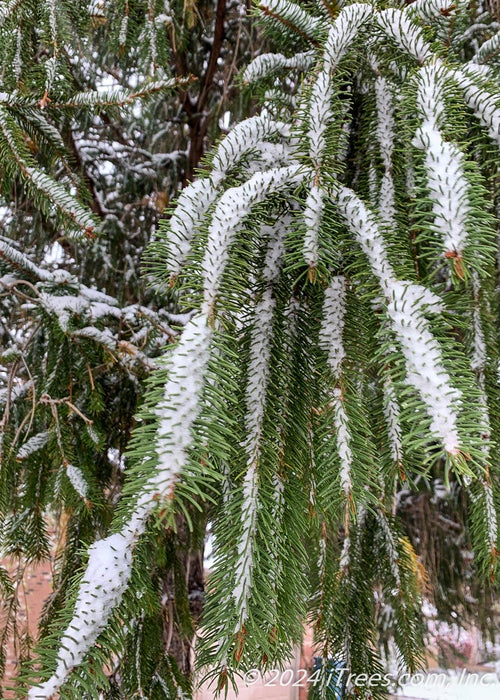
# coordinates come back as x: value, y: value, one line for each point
x: 75, y: 475
x: 105, y: 579
x: 320, y: 115
x: 244, y: 561
x: 343, y: 32
x: 292, y: 12
x: 390, y: 547
x: 241, y: 140
x: 432, y: 9
x: 341, y: 422
x: 195, y: 200
x: 385, y: 137
x: 406, y: 305
x: 444, y: 163
x: 267, y: 63
x: 232, y: 208
x: 110, y: 560
x: 35, y: 443
x: 332, y: 328
x: 258, y: 373
x: 192, y: 206
x: 399, y: 27
x: 178, y: 410
x: 313, y: 213
x: 258, y: 370
x: 331, y: 341
x: 483, y: 103
x: 392, y: 416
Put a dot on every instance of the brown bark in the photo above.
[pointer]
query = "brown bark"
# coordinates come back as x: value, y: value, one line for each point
x: 183, y: 588
x: 199, y: 117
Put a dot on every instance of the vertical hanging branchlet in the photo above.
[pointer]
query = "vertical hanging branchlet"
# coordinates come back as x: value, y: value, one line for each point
x: 331, y: 341
x: 392, y: 414
x: 406, y: 303
x: 479, y: 357
x: 444, y: 166
x: 343, y: 32
x: 256, y: 392
x: 386, y: 203
x: 391, y: 548
x: 385, y: 136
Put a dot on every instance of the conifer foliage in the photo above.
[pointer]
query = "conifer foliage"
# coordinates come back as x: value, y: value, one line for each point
x: 98, y: 103
x: 338, y: 260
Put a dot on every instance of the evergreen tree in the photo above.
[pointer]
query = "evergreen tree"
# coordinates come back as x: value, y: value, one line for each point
x: 99, y: 106
x: 339, y: 359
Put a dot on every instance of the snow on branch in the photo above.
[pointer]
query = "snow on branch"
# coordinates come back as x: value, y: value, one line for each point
x: 92, y: 306
x: 104, y: 338
x: 400, y: 27
x: 483, y: 103
x: 432, y: 9
x: 479, y: 358
x: 331, y: 341
x: 491, y: 515
x: 406, y: 305
x: 258, y: 371
x: 232, y: 208
x: 242, y: 139
x: 269, y: 63
x: 392, y: 416
x: 196, y: 199
x: 269, y: 155
x: 391, y: 548
x: 291, y: 15
x: 63, y: 307
x: 385, y: 136
x: 46, y: 128
x: 245, y: 559
x: 320, y: 115
x: 341, y: 421
x: 35, y: 443
x: 258, y: 374
x: 478, y: 342
x: 16, y: 259
x: 104, y: 581
x: 77, y: 215
x: 119, y: 97
x: 256, y: 391
x: 7, y: 8
x: 444, y: 165
x: 62, y: 199
x: 179, y: 409
x: 110, y: 560
x: 275, y: 247
x: 332, y: 327
x: 343, y: 31
x: 487, y: 50
x: 78, y: 482
x: 190, y: 211
x: 313, y: 214
x: 50, y: 67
